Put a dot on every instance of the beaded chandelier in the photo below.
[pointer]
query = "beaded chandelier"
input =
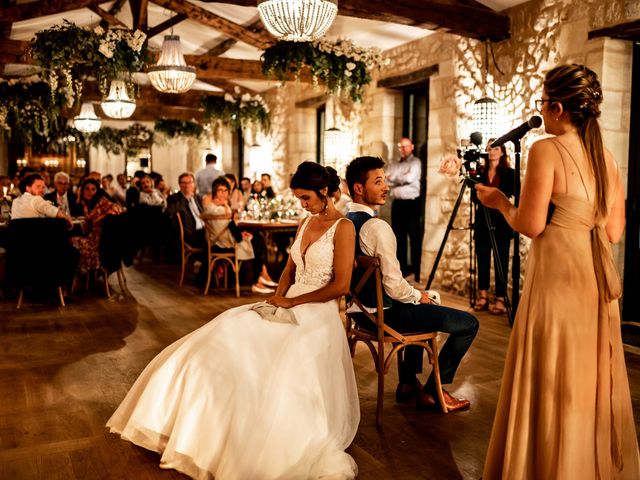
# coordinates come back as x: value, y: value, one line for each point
x: 171, y: 74
x: 297, y: 20
x: 118, y: 104
x: 87, y: 121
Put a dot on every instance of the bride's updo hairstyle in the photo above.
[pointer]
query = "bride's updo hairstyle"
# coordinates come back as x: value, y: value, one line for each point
x: 578, y: 89
x: 313, y: 176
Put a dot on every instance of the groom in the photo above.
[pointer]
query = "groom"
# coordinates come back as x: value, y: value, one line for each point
x: 410, y: 309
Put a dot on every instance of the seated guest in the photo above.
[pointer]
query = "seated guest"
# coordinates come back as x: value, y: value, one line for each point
x: 95, y: 207
x: 149, y: 195
x: 120, y: 189
x: 189, y: 206
x: 265, y: 179
x: 107, y: 185
x: 132, y: 196
x: 236, y: 200
x: 245, y: 187
x: 257, y: 190
x: 410, y: 309
x: 31, y: 203
x: 218, y: 215
x: 61, y: 196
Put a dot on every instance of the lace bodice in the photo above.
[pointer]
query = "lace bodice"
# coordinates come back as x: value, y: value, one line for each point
x: 317, y: 266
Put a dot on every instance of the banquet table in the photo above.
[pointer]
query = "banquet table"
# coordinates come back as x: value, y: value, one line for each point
x: 277, y: 235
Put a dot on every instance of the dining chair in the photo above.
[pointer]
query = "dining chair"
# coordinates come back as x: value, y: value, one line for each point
x: 228, y: 259
x: 186, y: 250
x: 383, y: 334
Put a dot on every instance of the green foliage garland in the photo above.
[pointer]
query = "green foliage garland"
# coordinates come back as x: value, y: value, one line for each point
x: 116, y: 140
x: 237, y: 110
x: 341, y: 65
x: 172, y: 128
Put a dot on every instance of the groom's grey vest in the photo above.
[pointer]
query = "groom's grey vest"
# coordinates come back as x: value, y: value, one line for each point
x: 368, y: 293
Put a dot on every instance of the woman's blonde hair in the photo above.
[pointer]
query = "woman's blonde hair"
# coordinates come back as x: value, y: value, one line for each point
x: 578, y: 89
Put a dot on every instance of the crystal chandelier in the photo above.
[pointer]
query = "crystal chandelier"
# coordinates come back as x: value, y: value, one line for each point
x: 171, y: 74
x: 297, y: 20
x: 118, y: 104
x: 87, y: 121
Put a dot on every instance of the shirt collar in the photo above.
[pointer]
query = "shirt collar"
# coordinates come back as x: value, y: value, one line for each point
x: 359, y: 207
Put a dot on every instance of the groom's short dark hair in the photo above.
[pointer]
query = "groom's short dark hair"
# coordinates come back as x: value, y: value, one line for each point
x: 358, y: 170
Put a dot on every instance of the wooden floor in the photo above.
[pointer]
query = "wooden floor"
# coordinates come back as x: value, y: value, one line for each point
x: 64, y: 371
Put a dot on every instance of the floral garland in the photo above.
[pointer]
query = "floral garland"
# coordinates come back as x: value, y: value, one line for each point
x: 341, y: 65
x: 172, y: 128
x: 28, y: 111
x: 115, y: 140
x: 237, y: 110
x: 106, y: 55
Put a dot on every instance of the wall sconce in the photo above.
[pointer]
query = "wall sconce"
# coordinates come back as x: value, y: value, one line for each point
x: 21, y: 162
x: 81, y: 163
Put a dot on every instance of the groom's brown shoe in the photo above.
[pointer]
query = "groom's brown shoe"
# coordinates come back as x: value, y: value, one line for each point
x: 408, y: 391
x: 426, y: 401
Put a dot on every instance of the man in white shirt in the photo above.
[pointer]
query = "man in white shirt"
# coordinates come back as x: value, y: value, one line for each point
x: 31, y: 203
x: 409, y: 309
x: 403, y: 177
x: 206, y: 176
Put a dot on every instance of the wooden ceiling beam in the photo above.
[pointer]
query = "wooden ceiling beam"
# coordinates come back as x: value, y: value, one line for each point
x: 463, y: 17
x: 227, y: 27
x: 167, y: 24
x: 139, y: 13
x: 149, y: 96
x: 26, y: 11
x: 225, y: 45
x: 107, y: 17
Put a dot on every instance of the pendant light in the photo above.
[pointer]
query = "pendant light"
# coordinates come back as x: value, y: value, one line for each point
x: 297, y: 20
x: 87, y: 121
x: 118, y: 104
x: 171, y: 74
x: 486, y: 111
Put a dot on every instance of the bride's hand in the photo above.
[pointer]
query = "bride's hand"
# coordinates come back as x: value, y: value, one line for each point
x: 280, y: 301
x: 490, y: 196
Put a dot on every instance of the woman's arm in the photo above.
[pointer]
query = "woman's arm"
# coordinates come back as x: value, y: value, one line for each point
x: 343, y: 255
x: 616, y: 221
x: 530, y: 217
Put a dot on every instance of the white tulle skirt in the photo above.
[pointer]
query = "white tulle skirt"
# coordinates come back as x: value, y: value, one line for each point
x: 243, y: 398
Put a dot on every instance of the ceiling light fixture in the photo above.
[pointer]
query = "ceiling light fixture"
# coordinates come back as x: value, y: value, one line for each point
x: 118, y: 104
x: 87, y: 121
x: 171, y: 74
x: 297, y: 20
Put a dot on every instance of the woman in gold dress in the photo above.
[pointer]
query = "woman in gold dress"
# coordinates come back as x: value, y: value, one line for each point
x: 564, y: 409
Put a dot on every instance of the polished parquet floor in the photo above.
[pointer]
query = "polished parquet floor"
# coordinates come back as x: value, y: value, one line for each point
x: 63, y: 372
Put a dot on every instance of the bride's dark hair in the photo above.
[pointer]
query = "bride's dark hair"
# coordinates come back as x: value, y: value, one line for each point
x: 313, y: 176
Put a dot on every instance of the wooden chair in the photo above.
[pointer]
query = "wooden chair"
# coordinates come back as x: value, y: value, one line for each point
x: 227, y: 258
x: 186, y: 250
x: 385, y: 334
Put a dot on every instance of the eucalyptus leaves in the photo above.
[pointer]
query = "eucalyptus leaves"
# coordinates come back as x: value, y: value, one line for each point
x: 172, y: 128
x: 237, y: 111
x: 115, y: 140
x: 74, y: 53
x: 344, y: 67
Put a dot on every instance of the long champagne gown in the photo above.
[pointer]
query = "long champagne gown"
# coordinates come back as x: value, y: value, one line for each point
x: 564, y: 410
x: 244, y: 398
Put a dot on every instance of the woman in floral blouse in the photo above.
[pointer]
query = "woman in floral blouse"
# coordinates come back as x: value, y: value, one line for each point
x: 95, y: 207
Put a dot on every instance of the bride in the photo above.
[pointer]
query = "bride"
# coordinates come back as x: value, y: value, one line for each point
x: 248, y: 399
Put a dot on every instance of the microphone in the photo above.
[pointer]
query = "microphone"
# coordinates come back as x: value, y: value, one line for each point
x: 518, y: 132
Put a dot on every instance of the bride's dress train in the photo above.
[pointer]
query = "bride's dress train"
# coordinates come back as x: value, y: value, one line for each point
x: 243, y: 398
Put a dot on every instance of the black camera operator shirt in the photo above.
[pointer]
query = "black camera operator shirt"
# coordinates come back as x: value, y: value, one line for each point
x: 504, y: 180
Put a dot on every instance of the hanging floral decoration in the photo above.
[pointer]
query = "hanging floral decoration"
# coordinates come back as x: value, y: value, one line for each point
x: 117, y: 140
x: 105, y: 55
x: 342, y: 66
x: 172, y: 128
x: 238, y: 110
x: 28, y: 112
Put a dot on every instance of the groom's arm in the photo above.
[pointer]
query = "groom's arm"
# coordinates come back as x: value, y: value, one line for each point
x: 378, y: 240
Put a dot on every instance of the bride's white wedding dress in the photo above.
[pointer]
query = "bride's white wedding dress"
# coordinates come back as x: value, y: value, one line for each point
x: 244, y: 398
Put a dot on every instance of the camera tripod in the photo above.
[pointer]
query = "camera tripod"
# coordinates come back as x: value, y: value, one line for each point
x: 467, y: 182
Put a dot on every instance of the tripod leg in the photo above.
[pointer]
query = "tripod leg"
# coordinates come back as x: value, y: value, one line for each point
x: 446, y: 234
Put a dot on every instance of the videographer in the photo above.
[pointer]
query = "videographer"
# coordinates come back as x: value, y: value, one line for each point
x: 496, y: 173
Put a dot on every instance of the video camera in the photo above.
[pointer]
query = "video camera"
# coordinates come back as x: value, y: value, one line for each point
x: 473, y: 157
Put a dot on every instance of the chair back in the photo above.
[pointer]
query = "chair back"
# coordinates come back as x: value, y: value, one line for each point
x: 370, y: 266
x: 35, y: 252
x: 181, y: 230
x: 116, y: 245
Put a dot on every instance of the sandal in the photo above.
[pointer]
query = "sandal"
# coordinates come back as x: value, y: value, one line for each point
x: 498, y: 308
x: 482, y: 303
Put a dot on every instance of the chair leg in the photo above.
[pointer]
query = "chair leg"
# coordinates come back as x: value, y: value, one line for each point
x: 380, y: 368
x: 237, y: 272
x: 106, y: 282
x: 209, y: 268
x: 184, y: 266
x: 61, y: 297
x: 20, y: 297
x: 122, y: 282
x: 436, y: 375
